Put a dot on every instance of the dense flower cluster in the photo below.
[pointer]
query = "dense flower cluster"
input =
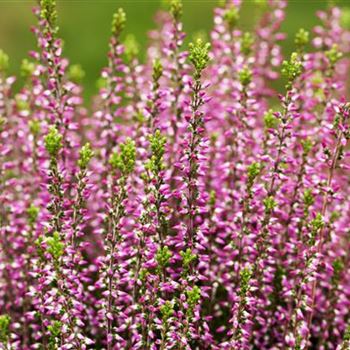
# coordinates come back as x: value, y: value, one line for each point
x: 192, y: 206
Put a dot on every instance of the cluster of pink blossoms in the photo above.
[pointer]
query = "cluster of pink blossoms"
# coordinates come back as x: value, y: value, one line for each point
x: 191, y: 206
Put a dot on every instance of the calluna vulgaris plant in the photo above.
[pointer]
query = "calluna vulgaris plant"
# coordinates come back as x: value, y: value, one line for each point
x: 192, y: 206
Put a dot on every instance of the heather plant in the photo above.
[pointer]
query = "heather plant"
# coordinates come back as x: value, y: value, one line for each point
x: 190, y: 205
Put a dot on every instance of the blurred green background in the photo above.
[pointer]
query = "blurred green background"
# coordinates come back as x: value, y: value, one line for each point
x: 85, y: 26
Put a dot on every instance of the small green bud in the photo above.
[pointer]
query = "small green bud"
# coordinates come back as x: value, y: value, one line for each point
x: 85, y: 155
x: 307, y: 145
x: 199, y: 55
x: 187, y: 258
x: 132, y: 48
x: 157, y: 70
x: 33, y: 213
x: 176, y: 8
x: 193, y: 297
x: 55, y: 246
x: 245, y: 276
x: 269, y: 204
x: 124, y: 161
x: 55, y: 330
x: 317, y: 223
x: 245, y: 76
x: 253, y: 171
x: 212, y: 198
x: 143, y: 274
x: 308, y: 198
x: 53, y: 142
x: 4, y: 61
x: 48, y: 12
x: 34, y: 127
x: 270, y: 121
x: 118, y: 23
x: 231, y: 16
x: 27, y: 68
x: 292, y: 69
x: 167, y: 310
x: 76, y: 73
x: 157, y: 142
x: 333, y: 55
x: 302, y: 38
x: 163, y: 256
x: 5, y: 322
x: 247, y: 42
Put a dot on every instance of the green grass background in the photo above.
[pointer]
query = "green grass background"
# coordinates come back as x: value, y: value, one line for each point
x: 85, y: 26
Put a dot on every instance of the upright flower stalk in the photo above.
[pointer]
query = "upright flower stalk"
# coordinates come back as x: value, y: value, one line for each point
x: 122, y: 165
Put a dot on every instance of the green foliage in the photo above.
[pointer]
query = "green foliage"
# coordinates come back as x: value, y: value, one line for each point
x: 163, y: 256
x: 247, y: 42
x: 118, y: 22
x: 270, y: 121
x: 32, y: 213
x: 55, y: 330
x: 53, y: 142
x: 199, y: 55
x: 167, y: 310
x: 245, y: 276
x: 269, y: 204
x: 292, y: 69
x: 176, y: 8
x: 5, y: 322
x: 85, y: 155
x: 316, y: 225
x: 253, y: 171
x: 55, y: 247
x: 76, y: 73
x: 27, y: 68
x: 301, y: 39
x: 187, y: 258
x: 212, y: 198
x: 245, y: 76
x: 157, y: 70
x: 308, y: 198
x: 48, y: 12
x: 193, y: 297
x: 307, y: 145
x: 157, y: 142
x: 124, y: 161
x: 132, y: 47
x: 231, y: 16
x: 4, y: 61
x: 333, y: 55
